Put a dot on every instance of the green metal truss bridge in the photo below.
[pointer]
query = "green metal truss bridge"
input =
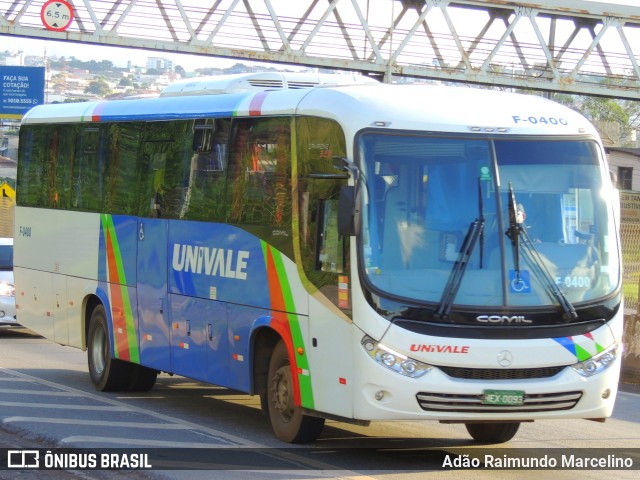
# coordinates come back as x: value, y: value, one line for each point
x: 571, y: 46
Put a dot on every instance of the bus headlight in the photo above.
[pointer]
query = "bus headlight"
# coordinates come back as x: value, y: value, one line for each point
x: 598, y: 363
x: 393, y: 360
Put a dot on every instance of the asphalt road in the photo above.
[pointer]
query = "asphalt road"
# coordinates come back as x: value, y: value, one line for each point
x: 47, y: 401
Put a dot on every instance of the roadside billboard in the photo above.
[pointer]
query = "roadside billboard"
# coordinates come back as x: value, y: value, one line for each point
x: 630, y: 206
x: 21, y: 88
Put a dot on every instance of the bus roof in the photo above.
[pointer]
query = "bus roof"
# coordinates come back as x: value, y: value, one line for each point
x: 440, y: 108
x: 247, y: 82
x: 406, y: 107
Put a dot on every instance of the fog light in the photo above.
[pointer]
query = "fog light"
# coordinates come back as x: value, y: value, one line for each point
x: 606, y: 393
x: 1, y: 313
x: 379, y: 395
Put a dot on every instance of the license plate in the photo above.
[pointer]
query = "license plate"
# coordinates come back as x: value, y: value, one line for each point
x: 503, y: 397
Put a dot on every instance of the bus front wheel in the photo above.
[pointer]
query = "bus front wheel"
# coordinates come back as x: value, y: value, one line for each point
x: 287, y: 420
x: 492, y: 432
x: 107, y: 374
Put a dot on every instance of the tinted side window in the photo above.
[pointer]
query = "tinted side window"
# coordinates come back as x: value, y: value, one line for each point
x: 61, y: 164
x: 259, y: 186
x: 78, y: 167
x: 86, y: 168
x: 323, y: 251
x: 32, y: 168
x: 48, y: 173
x: 183, y: 169
x: 122, y: 152
x: 166, y: 156
x: 207, y: 173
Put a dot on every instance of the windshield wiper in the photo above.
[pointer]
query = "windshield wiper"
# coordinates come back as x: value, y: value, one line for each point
x: 475, y: 232
x: 514, y: 232
x: 519, y: 237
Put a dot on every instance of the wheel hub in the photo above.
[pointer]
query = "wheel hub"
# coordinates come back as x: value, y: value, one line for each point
x: 98, y: 351
x: 281, y: 393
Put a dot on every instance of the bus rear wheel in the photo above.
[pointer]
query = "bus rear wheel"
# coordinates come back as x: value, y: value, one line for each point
x: 108, y: 374
x: 287, y: 420
x: 141, y: 379
x: 492, y: 432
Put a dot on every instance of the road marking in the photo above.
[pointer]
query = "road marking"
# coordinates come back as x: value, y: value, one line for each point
x: 88, y: 439
x: 107, y: 408
x: 38, y: 392
x: 233, y: 441
x: 96, y: 423
x: 116, y: 405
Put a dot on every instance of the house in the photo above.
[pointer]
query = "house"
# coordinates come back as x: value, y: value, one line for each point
x: 625, y: 164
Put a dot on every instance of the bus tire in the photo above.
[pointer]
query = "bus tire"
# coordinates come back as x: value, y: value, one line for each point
x: 141, y: 379
x: 107, y: 374
x: 287, y: 420
x: 492, y: 432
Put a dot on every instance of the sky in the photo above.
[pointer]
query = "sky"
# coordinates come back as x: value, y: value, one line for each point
x: 120, y: 56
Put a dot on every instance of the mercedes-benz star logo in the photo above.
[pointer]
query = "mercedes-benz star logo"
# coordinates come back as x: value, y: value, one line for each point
x: 505, y: 358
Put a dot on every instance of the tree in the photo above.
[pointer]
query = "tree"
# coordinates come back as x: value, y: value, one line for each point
x: 615, y: 118
x: 98, y: 87
x: 106, y: 65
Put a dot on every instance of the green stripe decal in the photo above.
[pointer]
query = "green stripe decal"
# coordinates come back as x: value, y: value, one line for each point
x: 281, y: 292
x: 124, y: 331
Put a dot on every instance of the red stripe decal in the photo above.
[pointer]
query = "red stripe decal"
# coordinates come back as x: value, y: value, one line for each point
x: 255, y: 107
x: 117, y: 305
x: 280, y: 321
x: 95, y: 116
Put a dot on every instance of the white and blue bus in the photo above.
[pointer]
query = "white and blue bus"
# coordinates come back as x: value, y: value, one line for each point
x: 343, y: 249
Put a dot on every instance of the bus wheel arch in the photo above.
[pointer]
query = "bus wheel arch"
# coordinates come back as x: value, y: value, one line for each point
x: 263, y: 343
x: 89, y: 304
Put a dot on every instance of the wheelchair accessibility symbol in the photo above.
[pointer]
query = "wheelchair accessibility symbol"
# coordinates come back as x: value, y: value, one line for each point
x: 521, y: 284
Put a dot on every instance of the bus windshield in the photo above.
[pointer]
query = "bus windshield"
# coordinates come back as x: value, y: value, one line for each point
x: 438, y: 225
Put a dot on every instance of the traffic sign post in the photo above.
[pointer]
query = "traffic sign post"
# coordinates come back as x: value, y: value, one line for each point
x: 56, y: 15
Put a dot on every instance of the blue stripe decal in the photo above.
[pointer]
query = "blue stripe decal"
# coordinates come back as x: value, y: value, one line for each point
x: 171, y: 108
x: 567, y: 343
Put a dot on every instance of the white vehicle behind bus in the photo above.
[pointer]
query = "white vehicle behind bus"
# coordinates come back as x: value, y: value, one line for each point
x: 7, y: 291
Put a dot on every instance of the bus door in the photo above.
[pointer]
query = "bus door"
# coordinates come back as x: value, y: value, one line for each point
x: 153, y: 318
x: 153, y: 309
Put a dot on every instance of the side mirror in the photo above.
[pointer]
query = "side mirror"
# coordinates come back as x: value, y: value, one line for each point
x: 348, y: 211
